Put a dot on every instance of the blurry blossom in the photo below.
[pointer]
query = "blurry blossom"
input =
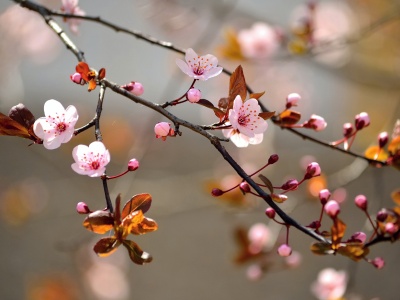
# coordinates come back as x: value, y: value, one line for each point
x: 330, y: 284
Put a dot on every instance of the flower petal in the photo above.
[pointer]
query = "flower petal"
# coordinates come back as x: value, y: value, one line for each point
x: 52, y: 107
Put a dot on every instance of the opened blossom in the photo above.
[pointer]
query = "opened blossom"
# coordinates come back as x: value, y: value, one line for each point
x: 57, y: 126
x: 247, y: 126
x: 71, y: 7
x: 92, y: 160
x: 330, y: 284
x: 199, y: 67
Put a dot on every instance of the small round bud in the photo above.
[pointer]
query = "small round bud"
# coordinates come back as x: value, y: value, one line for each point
x: 162, y: 130
x: 391, y: 228
x: 193, y: 95
x: 383, y: 138
x: 313, y: 169
x: 244, y: 187
x: 273, y: 159
x: 291, y: 184
x: 362, y: 120
x: 324, y: 196
x: 77, y: 78
x: 359, y: 237
x: 378, y: 262
x: 82, y: 208
x: 217, y: 192
x: 292, y: 100
x: 347, y: 129
x: 361, y: 202
x: 332, y: 208
x: 284, y: 250
x: 315, y: 122
x: 382, y: 215
x: 135, y: 88
x: 270, y: 212
x: 133, y: 164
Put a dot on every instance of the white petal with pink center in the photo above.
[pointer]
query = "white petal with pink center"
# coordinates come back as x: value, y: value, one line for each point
x: 199, y: 67
x: 57, y: 126
x: 92, y: 160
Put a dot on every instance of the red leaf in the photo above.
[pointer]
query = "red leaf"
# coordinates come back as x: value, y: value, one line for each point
x: 289, y: 117
x: 266, y: 115
x: 102, y: 73
x: 106, y: 246
x: 219, y: 113
x: 140, y: 201
x: 83, y: 69
x: 99, y: 221
x: 22, y: 115
x: 256, y: 95
x: 137, y: 255
x: 11, y: 127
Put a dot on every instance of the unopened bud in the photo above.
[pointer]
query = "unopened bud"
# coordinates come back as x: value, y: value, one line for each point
x: 378, y: 262
x: 347, y: 129
x: 313, y: 169
x: 361, y: 202
x: 332, y: 208
x: 315, y: 122
x: 359, y: 237
x: 82, y: 208
x: 383, y: 138
x: 193, y: 95
x: 382, y: 215
x: 135, y: 88
x: 291, y: 184
x: 324, y: 196
x: 292, y: 100
x: 362, y: 120
x: 284, y: 250
x: 217, y: 192
x: 273, y: 159
x: 133, y: 164
x: 163, y: 129
x: 244, y: 187
x: 391, y: 228
x: 77, y: 78
x: 270, y: 212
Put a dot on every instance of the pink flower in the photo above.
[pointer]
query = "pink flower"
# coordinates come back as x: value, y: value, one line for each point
x: 330, y: 284
x: 260, y: 41
x: 71, y: 7
x: 247, y: 126
x: 57, y: 126
x: 199, y: 67
x: 259, y: 236
x: 90, y: 160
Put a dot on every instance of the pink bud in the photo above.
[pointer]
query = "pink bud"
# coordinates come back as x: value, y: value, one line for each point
x: 273, y: 159
x: 133, y: 164
x: 292, y: 100
x: 383, y: 138
x: 362, y: 120
x: 313, y: 169
x: 324, y: 196
x: 244, y: 187
x: 378, y: 262
x: 284, y: 250
x: 382, y: 215
x: 217, y: 192
x: 82, y: 208
x: 77, y: 78
x: 291, y: 184
x: 347, y: 129
x: 270, y: 212
x: 162, y: 130
x: 391, y: 228
x: 193, y: 95
x: 315, y: 122
x: 361, y: 202
x: 135, y: 88
x: 359, y: 236
x: 254, y: 272
x: 332, y: 208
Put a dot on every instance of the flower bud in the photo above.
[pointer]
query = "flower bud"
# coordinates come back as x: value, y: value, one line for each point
x: 244, y: 187
x: 133, y: 164
x: 313, y: 169
x: 347, y: 129
x: 378, y: 262
x: 315, y: 122
x: 270, y: 212
x: 391, y: 228
x: 383, y: 138
x: 361, y: 202
x: 82, y: 208
x: 273, y: 159
x: 77, y: 78
x: 292, y: 100
x: 284, y: 250
x: 291, y: 184
x: 217, y: 192
x: 332, y: 208
x: 359, y: 237
x: 382, y: 215
x: 193, y: 95
x: 135, y: 88
x: 162, y: 130
x: 362, y: 120
x: 324, y: 196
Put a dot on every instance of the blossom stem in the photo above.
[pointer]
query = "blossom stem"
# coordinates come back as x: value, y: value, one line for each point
x: 117, y: 176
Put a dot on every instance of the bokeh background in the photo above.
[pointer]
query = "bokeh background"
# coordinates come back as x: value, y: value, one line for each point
x: 45, y: 252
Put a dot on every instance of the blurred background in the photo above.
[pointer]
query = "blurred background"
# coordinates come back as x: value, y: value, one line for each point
x: 45, y: 252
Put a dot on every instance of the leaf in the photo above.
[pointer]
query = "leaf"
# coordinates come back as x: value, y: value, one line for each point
x: 396, y: 196
x: 102, y: 74
x: 266, y: 115
x: 147, y: 225
x: 354, y: 251
x: 140, y: 201
x: 320, y: 248
x: 22, y: 115
x: 237, y: 86
x: 106, y: 246
x: 289, y: 117
x: 92, y: 85
x: 137, y: 255
x: 10, y: 127
x: 256, y: 96
x: 99, y: 221
x: 338, y: 228
x: 267, y: 182
x: 83, y: 69
x: 376, y: 153
x: 394, y: 145
x: 219, y: 113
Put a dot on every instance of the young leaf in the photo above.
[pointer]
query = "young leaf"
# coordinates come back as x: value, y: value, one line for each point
x: 22, y: 115
x: 102, y: 73
x: 219, y: 113
x: 337, y: 229
x: 137, y: 255
x: 266, y: 115
x: 267, y: 182
x: 257, y: 95
x: 321, y: 248
x: 354, y: 251
x: 99, y: 221
x: 106, y: 246
x: 140, y: 201
x: 237, y: 86
x: 289, y: 117
x: 145, y: 226
x: 376, y: 153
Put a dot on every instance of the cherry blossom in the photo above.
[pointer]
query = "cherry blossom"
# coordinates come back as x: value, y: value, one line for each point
x: 57, y: 126
x: 247, y: 126
x: 330, y: 284
x: 199, y: 67
x: 90, y: 160
x: 71, y: 7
